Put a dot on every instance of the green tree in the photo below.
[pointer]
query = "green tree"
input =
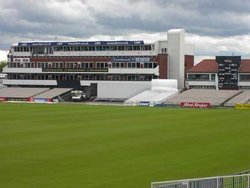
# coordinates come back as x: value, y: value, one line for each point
x: 2, y: 65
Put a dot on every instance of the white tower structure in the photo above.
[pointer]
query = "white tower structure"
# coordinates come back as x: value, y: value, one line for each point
x: 176, y: 52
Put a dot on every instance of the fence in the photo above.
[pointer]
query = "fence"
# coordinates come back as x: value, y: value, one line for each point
x: 233, y: 181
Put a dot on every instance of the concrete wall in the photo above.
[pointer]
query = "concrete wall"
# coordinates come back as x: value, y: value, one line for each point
x: 176, y: 49
x: 30, y: 82
x: 118, y: 89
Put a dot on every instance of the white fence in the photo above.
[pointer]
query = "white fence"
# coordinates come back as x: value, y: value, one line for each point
x: 233, y: 181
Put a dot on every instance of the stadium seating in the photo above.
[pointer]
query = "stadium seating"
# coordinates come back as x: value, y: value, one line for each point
x: 214, y: 97
x: 243, y: 97
x: 1, y: 84
x: 153, y: 96
x: 53, y: 93
x: 13, y: 92
x: 160, y: 91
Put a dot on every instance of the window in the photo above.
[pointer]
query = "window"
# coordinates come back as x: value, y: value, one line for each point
x: 98, y: 48
x: 129, y: 48
x: 113, y: 48
x: 147, y: 47
x: 212, y: 77
x: 91, y: 48
x: 121, y: 48
x: 198, y: 77
x: 244, y: 77
x: 150, y: 65
x: 85, y: 48
x: 164, y: 50
x: 66, y: 48
x: 136, y: 48
x: 106, y: 48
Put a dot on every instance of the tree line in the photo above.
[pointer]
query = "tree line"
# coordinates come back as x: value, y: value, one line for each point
x: 2, y: 65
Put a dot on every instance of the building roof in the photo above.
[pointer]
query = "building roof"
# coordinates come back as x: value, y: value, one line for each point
x: 205, y: 66
x: 81, y: 43
x: 245, y: 66
x: 211, y: 66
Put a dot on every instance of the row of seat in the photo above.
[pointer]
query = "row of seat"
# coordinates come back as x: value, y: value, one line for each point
x: 53, y: 93
x: 151, y: 95
x: 243, y: 97
x: 20, y: 92
x: 214, y: 97
x: 24, y: 93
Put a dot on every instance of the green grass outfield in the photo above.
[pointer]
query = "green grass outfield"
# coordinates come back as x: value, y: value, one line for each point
x: 73, y: 146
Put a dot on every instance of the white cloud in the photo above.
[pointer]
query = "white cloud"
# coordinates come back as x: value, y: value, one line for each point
x: 205, y: 45
x: 3, y: 55
x: 146, y: 37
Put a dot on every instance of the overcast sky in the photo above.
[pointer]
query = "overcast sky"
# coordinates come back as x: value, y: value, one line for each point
x: 216, y: 27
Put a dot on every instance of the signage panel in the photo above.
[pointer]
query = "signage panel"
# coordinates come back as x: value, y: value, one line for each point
x: 242, y: 106
x: 17, y: 99
x: 2, y: 99
x: 42, y: 100
x: 132, y: 59
x: 82, y: 43
x: 195, y: 104
x: 144, y: 103
x: 75, y: 70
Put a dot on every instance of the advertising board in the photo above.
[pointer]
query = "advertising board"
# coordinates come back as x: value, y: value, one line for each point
x: 195, y: 104
x: 242, y: 106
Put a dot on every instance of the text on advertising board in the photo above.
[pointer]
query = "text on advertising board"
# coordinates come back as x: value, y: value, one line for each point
x: 195, y: 104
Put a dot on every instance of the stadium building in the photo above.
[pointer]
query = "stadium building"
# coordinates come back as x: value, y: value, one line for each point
x: 101, y: 69
x: 223, y: 72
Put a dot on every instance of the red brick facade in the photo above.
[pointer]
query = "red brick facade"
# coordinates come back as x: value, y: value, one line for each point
x: 189, y: 61
x: 162, y: 60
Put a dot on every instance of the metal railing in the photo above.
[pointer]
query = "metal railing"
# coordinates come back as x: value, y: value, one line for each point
x: 232, y: 181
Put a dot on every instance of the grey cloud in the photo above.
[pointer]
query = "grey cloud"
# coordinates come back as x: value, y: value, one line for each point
x: 85, y: 18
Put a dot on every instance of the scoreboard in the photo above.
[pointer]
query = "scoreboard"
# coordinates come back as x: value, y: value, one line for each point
x: 228, y: 71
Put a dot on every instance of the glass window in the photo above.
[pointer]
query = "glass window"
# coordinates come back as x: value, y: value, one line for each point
x: 66, y: 48
x: 106, y: 48
x: 147, y: 47
x: 198, y: 77
x: 212, y: 77
x: 98, y: 48
x: 91, y: 48
x: 129, y: 48
x: 85, y: 48
x: 136, y: 48
x: 121, y: 48
x: 244, y: 77
x: 113, y: 48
